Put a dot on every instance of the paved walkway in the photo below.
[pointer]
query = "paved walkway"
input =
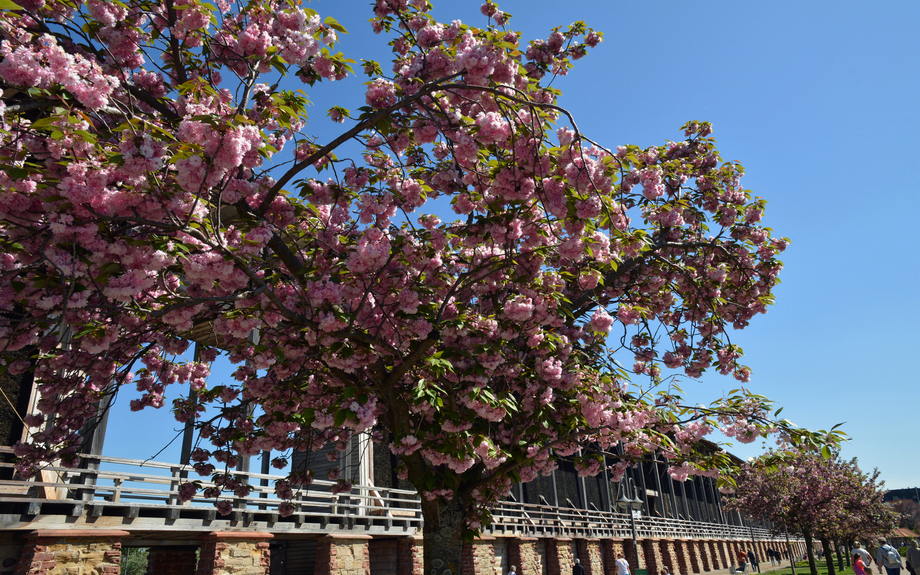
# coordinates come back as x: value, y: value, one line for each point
x: 800, y: 570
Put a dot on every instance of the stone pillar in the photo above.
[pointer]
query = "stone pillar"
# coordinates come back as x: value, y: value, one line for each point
x: 478, y: 557
x: 732, y: 550
x: 84, y: 551
x: 559, y: 558
x: 695, y: 550
x: 589, y: 551
x: 705, y: 556
x: 611, y: 550
x: 653, y: 561
x: 715, y: 551
x: 668, y: 551
x: 725, y: 554
x: 342, y: 554
x: 409, y: 556
x: 523, y: 554
x: 634, y: 555
x: 685, y: 563
x: 172, y: 561
x: 235, y: 553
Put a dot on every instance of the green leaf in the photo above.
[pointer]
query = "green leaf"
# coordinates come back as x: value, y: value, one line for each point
x: 334, y: 24
x: 9, y: 5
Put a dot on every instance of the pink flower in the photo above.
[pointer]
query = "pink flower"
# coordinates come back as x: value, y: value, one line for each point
x: 224, y: 507
x: 600, y: 321
x: 381, y: 93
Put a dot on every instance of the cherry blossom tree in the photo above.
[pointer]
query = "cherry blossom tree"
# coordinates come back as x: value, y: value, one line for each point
x: 909, y: 511
x: 817, y: 494
x: 483, y: 285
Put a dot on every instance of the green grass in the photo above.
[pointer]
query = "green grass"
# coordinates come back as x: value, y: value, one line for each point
x: 802, y: 568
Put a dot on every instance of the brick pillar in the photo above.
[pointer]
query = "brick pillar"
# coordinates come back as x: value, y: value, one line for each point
x: 732, y: 550
x: 725, y: 554
x: 668, y: 550
x: 611, y: 550
x: 718, y: 555
x: 172, y: 561
x: 695, y: 555
x: 522, y: 553
x: 409, y: 556
x: 478, y: 557
x: 234, y: 553
x: 85, y: 551
x: 653, y: 562
x: 634, y: 555
x: 685, y: 565
x: 529, y: 561
x: 559, y: 558
x: 589, y: 551
x: 705, y: 552
x: 341, y: 554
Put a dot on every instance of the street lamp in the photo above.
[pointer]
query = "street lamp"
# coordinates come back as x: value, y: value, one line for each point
x: 633, y: 505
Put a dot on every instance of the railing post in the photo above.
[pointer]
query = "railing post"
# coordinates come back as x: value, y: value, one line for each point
x: 173, y: 498
x: 87, y: 478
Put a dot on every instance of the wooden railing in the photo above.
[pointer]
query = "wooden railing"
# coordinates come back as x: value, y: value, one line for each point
x: 131, y: 488
x: 511, y: 518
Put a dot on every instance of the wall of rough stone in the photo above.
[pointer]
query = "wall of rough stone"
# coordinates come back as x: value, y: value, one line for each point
x: 235, y: 553
x: 527, y: 558
x: 60, y: 552
x: 410, y: 557
x: 592, y: 558
x: 478, y: 557
x: 343, y: 555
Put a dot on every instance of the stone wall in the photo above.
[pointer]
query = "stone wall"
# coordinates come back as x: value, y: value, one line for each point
x: 592, y: 558
x: 234, y: 553
x: 478, y: 557
x: 342, y: 555
x: 65, y: 552
x: 525, y: 555
x: 410, y: 556
x: 98, y: 552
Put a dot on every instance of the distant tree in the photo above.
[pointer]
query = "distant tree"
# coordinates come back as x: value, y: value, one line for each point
x: 816, y: 494
x: 134, y: 560
x: 909, y: 511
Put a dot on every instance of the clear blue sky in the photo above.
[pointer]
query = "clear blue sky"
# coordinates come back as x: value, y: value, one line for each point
x: 818, y: 101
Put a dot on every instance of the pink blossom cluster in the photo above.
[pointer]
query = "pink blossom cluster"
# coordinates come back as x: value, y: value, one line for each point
x: 45, y: 64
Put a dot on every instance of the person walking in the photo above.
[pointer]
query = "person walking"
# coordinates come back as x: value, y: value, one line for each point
x: 888, y: 557
x: 864, y: 555
x: 512, y: 571
x: 755, y: 564
x: 577, y: 569
x: 622, y: 565
x: 859, y: 566
x: 913, y: 557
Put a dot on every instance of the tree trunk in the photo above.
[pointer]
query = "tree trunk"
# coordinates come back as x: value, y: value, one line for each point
x: 839, y: 555
x: 443, y: 531
x: 828, y: 556
x: 809, y: 541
